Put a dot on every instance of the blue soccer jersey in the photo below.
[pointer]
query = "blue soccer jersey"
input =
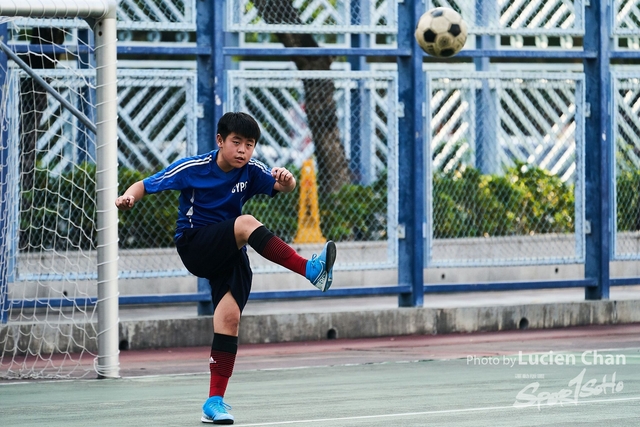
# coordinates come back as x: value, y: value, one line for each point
x: 209, y: 195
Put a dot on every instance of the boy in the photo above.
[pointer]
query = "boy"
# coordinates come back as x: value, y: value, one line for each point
x: 211, y: 235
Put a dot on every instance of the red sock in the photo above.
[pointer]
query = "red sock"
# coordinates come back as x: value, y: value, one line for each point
x: 221, y: 362
x: 275, y: 249
x: 279, y: 252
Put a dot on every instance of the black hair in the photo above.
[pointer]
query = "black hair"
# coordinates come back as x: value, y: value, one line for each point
x: 241, y: 123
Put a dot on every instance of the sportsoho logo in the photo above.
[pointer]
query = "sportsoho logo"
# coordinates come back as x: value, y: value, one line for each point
x: 577, y: 388
x: 582, y: 386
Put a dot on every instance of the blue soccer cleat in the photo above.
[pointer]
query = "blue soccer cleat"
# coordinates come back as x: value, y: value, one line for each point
x: 320, y: 267
x: 215, y: 410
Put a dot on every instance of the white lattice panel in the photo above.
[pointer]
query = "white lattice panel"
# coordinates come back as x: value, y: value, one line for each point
x: 157, y: 15
x: 157, y: 122
x: 532, y: 119
x: 278, y: 101
x: 627, y: 18
x: 627, y: 131
x: 522, y: 17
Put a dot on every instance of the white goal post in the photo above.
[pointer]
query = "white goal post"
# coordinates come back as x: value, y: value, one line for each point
x: 101, y: 16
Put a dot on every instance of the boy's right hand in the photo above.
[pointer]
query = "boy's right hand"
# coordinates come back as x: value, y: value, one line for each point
x: 124, y: 203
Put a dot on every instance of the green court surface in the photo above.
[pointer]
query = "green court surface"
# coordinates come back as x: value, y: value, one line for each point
x: 552, y: 387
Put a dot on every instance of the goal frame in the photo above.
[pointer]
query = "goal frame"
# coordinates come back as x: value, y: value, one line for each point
x: 101, y: 15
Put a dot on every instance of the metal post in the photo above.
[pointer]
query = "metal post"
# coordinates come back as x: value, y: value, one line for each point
x: 483, y: 41
x: 4, y: 189
x: 411, y: 158
x: 207, y: 115
x: 107, y: 189
x: 218, y: 62
x: 599, y: 147
x: 360, y: 141
x: 86, y: 102
x: 486, y: 120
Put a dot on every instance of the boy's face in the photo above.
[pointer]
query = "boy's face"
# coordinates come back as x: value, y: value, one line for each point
x: 235, y: 151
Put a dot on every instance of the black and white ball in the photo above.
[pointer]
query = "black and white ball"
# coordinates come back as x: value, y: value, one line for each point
x: 441, y: 32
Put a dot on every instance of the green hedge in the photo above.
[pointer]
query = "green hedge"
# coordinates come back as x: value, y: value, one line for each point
x: 523, y: 201
x: 59, y: 212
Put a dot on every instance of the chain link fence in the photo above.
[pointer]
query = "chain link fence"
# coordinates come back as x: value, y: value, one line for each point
x: 506, y: 174
x: 496, y: 141
x: 626, y: 136
x: 345, y: 122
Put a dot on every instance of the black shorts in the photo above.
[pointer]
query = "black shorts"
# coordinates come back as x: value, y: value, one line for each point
x: 212, y: 253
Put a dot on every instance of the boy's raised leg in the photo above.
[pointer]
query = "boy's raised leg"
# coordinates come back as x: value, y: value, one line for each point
x: 318, y: 270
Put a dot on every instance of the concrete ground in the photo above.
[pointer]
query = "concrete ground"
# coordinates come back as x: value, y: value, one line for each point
x: 569, y: 377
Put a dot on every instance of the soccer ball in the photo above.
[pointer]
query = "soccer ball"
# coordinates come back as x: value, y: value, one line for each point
x: 441, y: 32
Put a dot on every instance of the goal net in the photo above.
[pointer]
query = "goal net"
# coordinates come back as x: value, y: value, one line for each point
x: 58, y: 181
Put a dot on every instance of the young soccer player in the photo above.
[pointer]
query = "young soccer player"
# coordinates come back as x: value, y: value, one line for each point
x: 212, y: 232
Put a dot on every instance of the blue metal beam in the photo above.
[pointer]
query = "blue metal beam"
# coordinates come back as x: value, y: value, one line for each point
x: 86, y: 150
x: 509, y: 286
x: 4, y: 191
x: 302, y: 51
x: 165, y: 50
x: 82, y: 49
x: 338, y: 292
x: 219, y: 76
x: 206, y: 100
x: 523, y: 53
x: 311, y: 51
x: 411, y: 158
x: 122, y: 300
x: 204, y: 297
x: 625, y: 54
x: 598, y: 160
x: 487, y: 121
x: 50, y: 49
x: 479, y: 53
x: 625, y: 281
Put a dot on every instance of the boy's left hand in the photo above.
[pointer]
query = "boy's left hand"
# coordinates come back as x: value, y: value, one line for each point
x: 284, y: 178
x: 282, y: 175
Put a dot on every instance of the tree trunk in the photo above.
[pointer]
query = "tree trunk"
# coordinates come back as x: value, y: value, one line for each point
x: 320, y: 106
